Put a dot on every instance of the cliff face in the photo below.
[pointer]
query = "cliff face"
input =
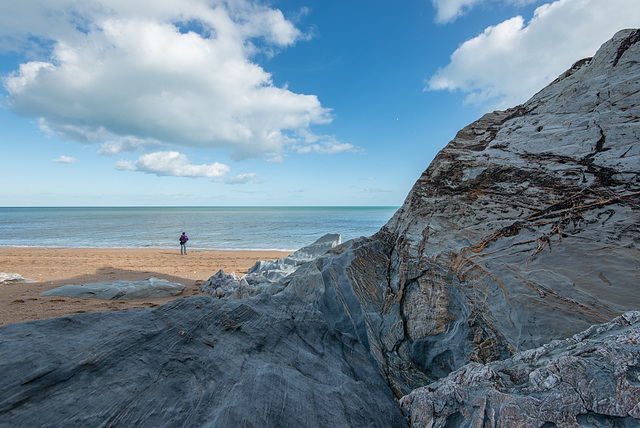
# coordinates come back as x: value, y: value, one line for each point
x: 524, y: 229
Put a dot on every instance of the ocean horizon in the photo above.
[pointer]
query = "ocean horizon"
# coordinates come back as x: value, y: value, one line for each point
x: 282, y: 228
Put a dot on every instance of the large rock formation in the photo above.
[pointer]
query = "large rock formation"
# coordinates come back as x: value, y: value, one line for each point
x: 196, y: 362
x: 523, y: 230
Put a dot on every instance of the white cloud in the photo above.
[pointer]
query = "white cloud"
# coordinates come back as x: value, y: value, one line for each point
x: 275, y: 159
x: 125, y: 144
x: 146, y: 72
x: 124, y: 165
x: 509, y: 62
x: 65, y: 159
x: 324, y: 144
x: 450, y: 10
x: 245, y: 178
x: 326, y: 148
x: 172, y: 164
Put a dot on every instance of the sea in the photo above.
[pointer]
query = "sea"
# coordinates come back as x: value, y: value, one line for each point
x: 219, y: 228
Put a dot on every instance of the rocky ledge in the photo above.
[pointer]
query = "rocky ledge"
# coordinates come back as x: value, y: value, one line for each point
x: 591, y: 379
x: 266, y: 361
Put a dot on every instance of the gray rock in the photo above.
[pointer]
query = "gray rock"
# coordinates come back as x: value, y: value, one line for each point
x: 13, y: 278
x: 275, y: 270
x: 266, y: 276
x: 200, y: 361
x: 524, y: 229
x: 117, y: 290
x: 222, y: 285
x: 589, y: 380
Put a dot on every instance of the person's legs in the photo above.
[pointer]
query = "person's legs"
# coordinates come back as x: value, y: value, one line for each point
x: 182, y: 249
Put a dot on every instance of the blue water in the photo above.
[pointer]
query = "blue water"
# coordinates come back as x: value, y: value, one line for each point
x: 222, y: 228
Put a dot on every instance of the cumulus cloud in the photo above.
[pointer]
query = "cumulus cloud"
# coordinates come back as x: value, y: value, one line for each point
x: 137, y: 74
x: 65, y: 159
x: 172, y: 163
x: 251, y: 177
x: 449, y: 10
x: 511, y: 61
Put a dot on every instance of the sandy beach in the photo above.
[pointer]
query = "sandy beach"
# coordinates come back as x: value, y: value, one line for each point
x: 52, y: 267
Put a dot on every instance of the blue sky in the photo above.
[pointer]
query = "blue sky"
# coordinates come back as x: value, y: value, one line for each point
x: 239, y: 102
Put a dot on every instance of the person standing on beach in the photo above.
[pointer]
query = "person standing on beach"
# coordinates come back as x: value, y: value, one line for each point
x: 183, y: 243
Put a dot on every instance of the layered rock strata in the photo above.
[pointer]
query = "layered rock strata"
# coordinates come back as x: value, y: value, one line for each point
x: 266, y: 276
x: 591, y: 380
x: 196, y: 362
x: 524, y: 229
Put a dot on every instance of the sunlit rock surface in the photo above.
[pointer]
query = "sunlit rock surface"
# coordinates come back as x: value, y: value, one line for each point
x: 266, y: 276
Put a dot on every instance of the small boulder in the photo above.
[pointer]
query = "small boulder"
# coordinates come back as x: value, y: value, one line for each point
x: 12, y: 278
x: 118, y: 290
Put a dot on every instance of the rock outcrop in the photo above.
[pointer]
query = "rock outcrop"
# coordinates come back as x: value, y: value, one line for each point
x: 591, y: 379
x: 120, y: 290
x: 267, y: 276
x: 261, y: 362
x: 524, y: 229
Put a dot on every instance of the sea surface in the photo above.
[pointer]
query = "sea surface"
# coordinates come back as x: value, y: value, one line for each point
x: 221, y: 228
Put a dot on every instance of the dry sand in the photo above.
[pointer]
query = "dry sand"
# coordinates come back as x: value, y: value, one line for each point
x: 52, y: 267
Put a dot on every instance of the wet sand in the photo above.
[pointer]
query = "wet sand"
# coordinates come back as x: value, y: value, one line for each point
x: 52, y: 267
